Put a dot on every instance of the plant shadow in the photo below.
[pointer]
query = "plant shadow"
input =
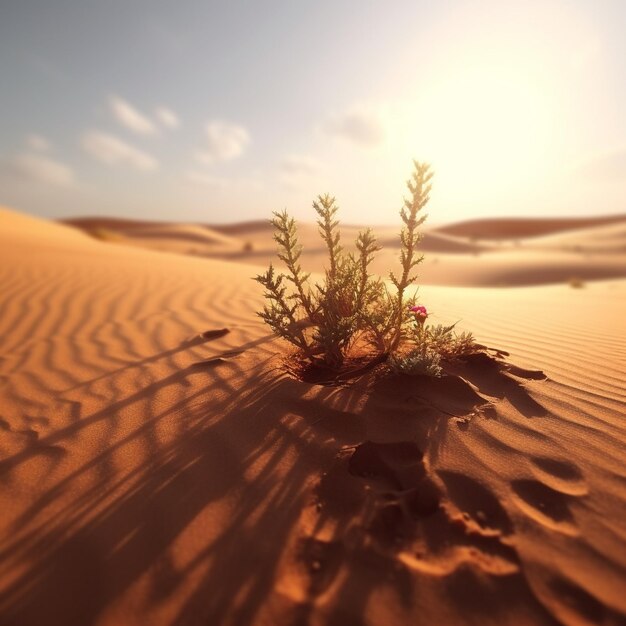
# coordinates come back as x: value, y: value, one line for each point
x: 201, y: 519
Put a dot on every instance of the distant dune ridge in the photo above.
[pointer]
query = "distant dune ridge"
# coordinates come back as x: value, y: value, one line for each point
x: 515, y: 228
x: 158, y: 466
x: 508, y: 252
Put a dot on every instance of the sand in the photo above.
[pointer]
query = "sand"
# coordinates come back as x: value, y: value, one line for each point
x: 159, y: 466
x: 542, y: 253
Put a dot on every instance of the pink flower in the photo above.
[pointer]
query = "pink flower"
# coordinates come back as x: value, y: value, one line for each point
x: 419, y: 309
x: 420, y: 313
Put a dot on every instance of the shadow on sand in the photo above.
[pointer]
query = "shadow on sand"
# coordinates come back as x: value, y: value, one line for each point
x: 192, y: 506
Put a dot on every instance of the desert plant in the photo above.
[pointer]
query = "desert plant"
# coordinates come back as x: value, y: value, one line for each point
x: 351, y: 306
x: 335, y: 311
x: 418, y: 362
x: 429, y: 347
x: 410, y: 237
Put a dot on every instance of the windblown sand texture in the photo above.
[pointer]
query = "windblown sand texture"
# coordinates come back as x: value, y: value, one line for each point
x: 158, y: 466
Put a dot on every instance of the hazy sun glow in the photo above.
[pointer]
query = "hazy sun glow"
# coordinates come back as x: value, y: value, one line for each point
x: 500, y: 121
x: 483, y: 121
x: 518, y: 106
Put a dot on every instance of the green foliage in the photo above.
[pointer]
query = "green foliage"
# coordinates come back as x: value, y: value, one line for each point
x: 419, y: 186
x: 417, y: 363
x: 325, y: 321
x: 432, y: 347
x: 446, y: 341
x: 279, y: 313
x: 336, y: 312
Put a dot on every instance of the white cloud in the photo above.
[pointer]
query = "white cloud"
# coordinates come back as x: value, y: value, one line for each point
x: 129, y: 116
x: 297, y: 165
x: 39, y: 168
x: 360, y: 126
x: 167, y: 117
x: 112, y: 151
x: 37, y: 143
x: 226, y: 141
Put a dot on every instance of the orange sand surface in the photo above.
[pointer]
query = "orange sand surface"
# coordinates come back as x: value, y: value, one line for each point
x: 158, y: 466
x: 543, y: 251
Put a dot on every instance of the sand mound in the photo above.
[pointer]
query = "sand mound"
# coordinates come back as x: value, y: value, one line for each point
x: 159, y: 467
x: 180, y: 238
x: 576, y: 250
x: 609, y: 239
x: 520, y: 228
x: 245, y: 229
x: 18, y: 226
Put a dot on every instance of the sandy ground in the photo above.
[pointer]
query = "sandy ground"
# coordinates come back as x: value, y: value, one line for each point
x: 158, y: 466
x: 542, y: 252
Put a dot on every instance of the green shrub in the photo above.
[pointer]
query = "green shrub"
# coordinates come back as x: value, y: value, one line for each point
x: 431, y: 347
x: 353, y: 312
x: 417, y: 362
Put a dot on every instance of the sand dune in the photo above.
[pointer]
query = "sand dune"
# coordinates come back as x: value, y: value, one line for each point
x: 544, y: 252
x: 609, y: 239
x: 516, y: 228
x: 181, y: 238
x: 194, y: 233
x: 158, y: 466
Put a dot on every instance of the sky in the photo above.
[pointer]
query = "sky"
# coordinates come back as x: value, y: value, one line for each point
x: 217, y: 112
